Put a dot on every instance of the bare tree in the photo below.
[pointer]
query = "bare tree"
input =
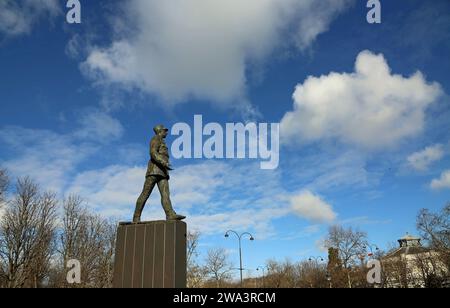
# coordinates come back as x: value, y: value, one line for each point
x: 275, y: 275
x: 27, y: 233
x: 105, y: 269
x: 281, y: 274
x: 196, y: 274
x: 350, y: 244
x: 35, y: 249
x: 89, y: 239
x: 46, y: 240
x: 218, y: 267
x: 430, y: 272
x: 311, y: 274
x: 396, y: 273
x: 435, y: 229
x: 287, y: 274
x: 192, y: 245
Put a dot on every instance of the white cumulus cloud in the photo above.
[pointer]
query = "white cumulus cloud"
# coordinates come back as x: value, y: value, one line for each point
x: 180, y: 49
x: 312, y: 207
x: 371, y: 108
x: 443, y: 182
x: 423, y: 159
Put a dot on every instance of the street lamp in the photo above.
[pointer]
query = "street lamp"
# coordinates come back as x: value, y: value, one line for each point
x: 316, y: 259
x: 262, y: 268
x: 371, y: 248
x: 315, y: 263
x: 239, y: 236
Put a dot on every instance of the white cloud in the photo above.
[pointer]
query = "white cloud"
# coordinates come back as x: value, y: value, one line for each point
x: 19, y: 16
x: 259, y: 220
x: 115, y: 189
x: 45, y: 156
x: 312, y: 207
x: 196, y: 184
x: 321, y: 245
x: 363, y: 220
x: 51, y: 158
x: 443, y: 182
x: 371, y: 108
x: 423, y: 159
x: 216, y: 196
x: 114, y: 186
x: 315, y: 18
x: 337, y: 170
x: 99, y: 126
x: 200, y: 48
x: 305, y: 232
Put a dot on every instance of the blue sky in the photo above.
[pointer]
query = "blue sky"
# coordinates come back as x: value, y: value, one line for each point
x: 364, y: 111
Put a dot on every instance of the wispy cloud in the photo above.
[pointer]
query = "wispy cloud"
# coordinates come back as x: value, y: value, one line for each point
x: 305, y: 232
x: 312, y: 207
x: 51, y: 158
x: 18, y: 16
x: 363, y: 220
x: 210, y: 193
x: 46, y: 156
x: 99, y: 126
x: 422, y: 160
x: 443, y: 182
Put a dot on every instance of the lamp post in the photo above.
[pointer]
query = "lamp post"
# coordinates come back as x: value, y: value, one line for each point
x: 239, y: 236
x: 262, y: 268
x: 371, y: 248
x: 315, y: 262
x: 316, y: 259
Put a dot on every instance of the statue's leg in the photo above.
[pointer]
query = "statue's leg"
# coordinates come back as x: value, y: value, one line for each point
x: 163, y: 186
x: 149, y: 184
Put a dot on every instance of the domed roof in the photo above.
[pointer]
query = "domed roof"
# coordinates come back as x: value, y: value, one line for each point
x: 409, y: 237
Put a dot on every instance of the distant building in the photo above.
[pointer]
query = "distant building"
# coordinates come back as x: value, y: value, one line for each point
x: 413, y: 266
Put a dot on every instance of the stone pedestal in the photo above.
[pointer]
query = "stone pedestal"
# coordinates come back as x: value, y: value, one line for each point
x: 151, y: 255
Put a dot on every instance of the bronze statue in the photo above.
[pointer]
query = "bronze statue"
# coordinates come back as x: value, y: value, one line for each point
x: 157, y: 174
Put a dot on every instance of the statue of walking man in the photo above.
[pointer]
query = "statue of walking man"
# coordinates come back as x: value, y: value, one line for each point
x: 157, y: 174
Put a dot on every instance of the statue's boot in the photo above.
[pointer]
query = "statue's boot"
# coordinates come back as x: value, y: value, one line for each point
x: 176, y: 217
x: 170, y: 213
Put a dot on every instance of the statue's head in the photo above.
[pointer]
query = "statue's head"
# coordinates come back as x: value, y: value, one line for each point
x: 161, y: 130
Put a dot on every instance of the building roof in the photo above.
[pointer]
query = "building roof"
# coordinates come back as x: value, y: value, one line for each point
x: 409, y: 237
x: 409, y: 250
